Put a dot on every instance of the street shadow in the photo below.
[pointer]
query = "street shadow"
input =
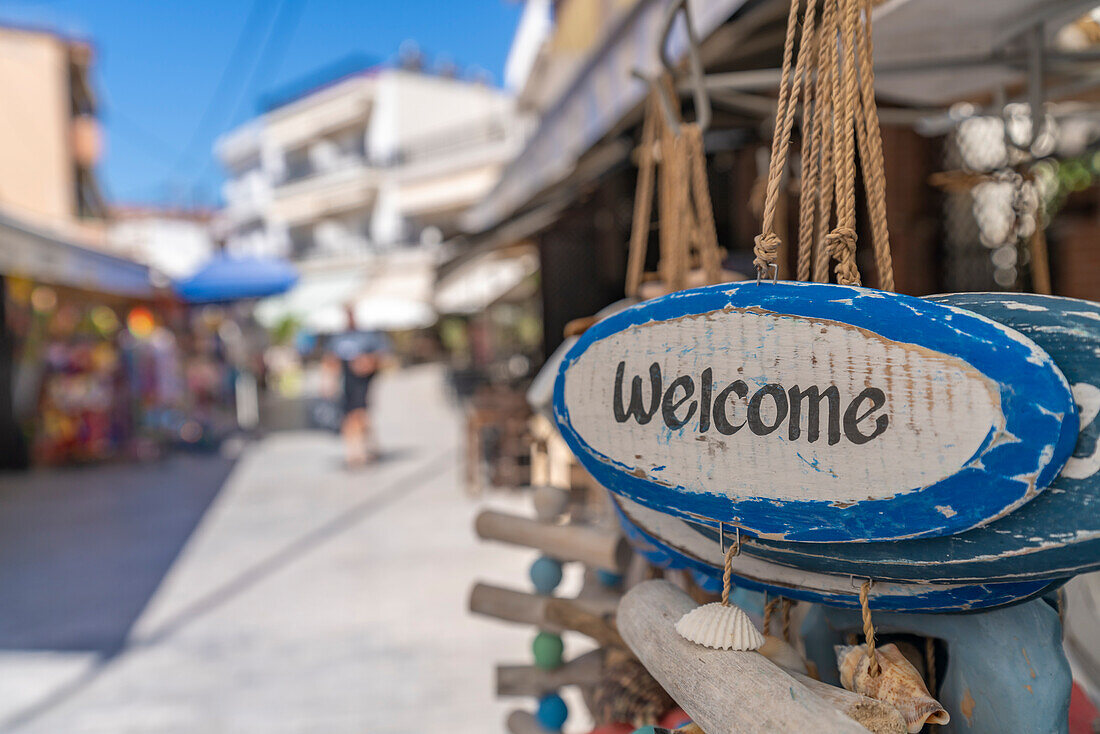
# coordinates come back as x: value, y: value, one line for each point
x: 384, y: 456
x: 82, y: 550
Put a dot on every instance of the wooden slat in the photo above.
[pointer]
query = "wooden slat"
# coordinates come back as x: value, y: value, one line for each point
x: 592, y: 546
x: 525, y: 608
x: 528, y: 680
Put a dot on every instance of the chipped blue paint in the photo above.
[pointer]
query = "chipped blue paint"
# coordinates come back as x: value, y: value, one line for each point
x: 1035, y: 401
x: 926, y: 598
x: 1057, y: 534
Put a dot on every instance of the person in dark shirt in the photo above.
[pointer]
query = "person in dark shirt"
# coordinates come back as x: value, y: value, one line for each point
x: 359, y: 355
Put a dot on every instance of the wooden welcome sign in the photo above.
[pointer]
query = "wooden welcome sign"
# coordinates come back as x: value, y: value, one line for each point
x: 1056, y: 535
x: 673, y: 543
x: 810, y: 412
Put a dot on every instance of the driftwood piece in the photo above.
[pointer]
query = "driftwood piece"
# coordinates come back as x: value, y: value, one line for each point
x: 524, y: 722
x: 529, y: 680
x: 570, y: 615
x: 526, y: 608
x: 721, y: 690
x: 877, y: 716
x: 593, y: 546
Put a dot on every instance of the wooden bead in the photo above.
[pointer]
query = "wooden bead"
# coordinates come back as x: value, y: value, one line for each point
x: 609, y: 579
x: 547, y: 649
x: 545, y: 574
x: 552, y: 712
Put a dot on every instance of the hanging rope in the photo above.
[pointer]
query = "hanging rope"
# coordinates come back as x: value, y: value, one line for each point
x: 930, y: 664
x: 767, y: 242
x: 643, y: 197
x: 787, y: 604
x: 823, y: 121
x: 769, y: 611
x: 833, y: 78
x: 869, y: 137
x: 727, y: 571
x: 686, y: 228
x: 868, y: 627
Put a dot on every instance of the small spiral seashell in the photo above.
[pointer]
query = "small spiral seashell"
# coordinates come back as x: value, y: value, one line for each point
x: 720, y: 627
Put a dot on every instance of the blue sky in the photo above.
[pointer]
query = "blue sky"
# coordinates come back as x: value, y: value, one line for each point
x: 173, y: 74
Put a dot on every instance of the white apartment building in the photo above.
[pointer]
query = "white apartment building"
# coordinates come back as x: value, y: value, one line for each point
x: 375, y: 161
x: 174, y: 243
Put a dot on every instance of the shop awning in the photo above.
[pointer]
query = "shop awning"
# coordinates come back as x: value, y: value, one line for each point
x: 602, y: 92
x: 479, y: 283
x: 46, y: 257
x: 227, y: 278
x: 943, y: 42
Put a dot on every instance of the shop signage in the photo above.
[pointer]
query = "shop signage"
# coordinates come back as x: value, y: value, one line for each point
x: 1057, y: 534
x: 815, y: 412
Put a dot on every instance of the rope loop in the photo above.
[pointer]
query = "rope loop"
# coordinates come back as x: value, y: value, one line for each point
x: 766, y: 251
x: 841, y: 246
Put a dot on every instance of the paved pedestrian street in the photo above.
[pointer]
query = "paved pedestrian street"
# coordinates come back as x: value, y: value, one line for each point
x: 295, y: 596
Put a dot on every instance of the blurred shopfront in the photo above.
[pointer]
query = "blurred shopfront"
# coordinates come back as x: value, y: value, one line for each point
x: 98, y: 363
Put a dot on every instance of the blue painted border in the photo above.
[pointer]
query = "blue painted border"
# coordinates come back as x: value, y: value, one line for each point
x: 1054, y: 536
x: 1035, y: 398
x: 954, y: 599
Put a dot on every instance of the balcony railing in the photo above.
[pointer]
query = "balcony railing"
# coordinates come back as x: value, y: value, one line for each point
x: 436, y: 146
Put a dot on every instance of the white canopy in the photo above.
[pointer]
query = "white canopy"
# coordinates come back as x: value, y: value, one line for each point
x: 481, y: 282
x: 390, y: 291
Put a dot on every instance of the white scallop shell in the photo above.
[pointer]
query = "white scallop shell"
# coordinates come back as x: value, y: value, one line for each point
x: 720, y: 627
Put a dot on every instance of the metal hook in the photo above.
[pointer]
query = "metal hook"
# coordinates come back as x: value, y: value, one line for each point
x: 1036, y: 65
x: 868, y: 580
x: 695, y: 66
x: 775, y: 273
x: 722, y: 538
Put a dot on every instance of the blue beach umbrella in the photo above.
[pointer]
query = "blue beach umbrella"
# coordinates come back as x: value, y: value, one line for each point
x: 226, y: 278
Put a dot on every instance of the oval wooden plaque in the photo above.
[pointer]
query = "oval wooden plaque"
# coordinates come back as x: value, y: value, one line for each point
x: 810, y: 412
x: 673, y: 543
x: 1056, y: 535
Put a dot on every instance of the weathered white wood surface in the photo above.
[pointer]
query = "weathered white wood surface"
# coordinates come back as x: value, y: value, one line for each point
x: 725, y: 692
x: 594, y: 546
x: 916, y: 442
x: 529, y: 680
x: 522, y: 607
x: 524, y: 722
x: 877, y: 716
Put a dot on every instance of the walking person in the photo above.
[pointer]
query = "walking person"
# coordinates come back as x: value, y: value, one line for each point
x: 358, y: 357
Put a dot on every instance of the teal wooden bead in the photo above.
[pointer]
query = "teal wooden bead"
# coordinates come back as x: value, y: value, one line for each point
x: 547, y: 649
x: 545, y: 574
x: 552, y: 712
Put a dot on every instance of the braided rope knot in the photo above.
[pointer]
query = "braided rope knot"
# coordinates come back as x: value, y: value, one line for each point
x: 841, y: 246
x: 766, y: 249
